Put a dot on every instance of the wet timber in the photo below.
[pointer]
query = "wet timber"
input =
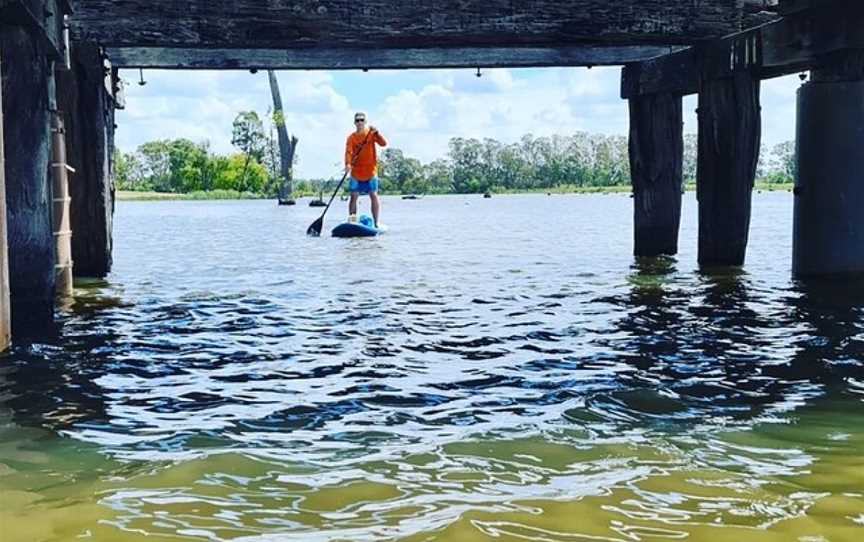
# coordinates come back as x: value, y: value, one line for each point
x: 27, y: 145
x: 5, y: 322
x: 343, y: 34
x: 825, y: 35
x: 87, y: 106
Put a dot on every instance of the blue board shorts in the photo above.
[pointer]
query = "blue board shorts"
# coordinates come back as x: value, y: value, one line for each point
x: 363, y: 187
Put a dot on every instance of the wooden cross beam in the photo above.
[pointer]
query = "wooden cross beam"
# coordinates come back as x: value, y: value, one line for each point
x: 343, y: 58
x: 334, y: 34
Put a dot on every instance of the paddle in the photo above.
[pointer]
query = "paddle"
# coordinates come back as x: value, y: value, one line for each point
x: 314, y: 229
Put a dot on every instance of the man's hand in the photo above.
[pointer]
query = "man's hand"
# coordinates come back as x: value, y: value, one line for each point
x: 347, y: 170
x: 373, y: 129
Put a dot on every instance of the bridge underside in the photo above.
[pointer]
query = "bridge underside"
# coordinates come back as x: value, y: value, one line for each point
x: 344, y: 34
x: 720, y: 49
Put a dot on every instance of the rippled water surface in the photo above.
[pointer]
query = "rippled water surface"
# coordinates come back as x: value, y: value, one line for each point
x: 496, y: 370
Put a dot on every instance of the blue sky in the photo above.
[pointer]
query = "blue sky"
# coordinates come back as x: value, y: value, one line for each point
x: 418, y: 111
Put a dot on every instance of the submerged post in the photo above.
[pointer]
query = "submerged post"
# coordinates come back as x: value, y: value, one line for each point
x: 656, y: 156
x: 729, y: 138
x: 87, y: 106
x: 5, y: 314
x: 28, y: 192
x: 829, y: 187
x: 62, y: 223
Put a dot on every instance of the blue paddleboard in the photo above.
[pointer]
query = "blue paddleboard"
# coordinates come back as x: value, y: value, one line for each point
x: 362, y: 228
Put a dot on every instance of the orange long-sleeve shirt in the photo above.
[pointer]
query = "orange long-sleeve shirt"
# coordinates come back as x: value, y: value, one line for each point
x: 366, y: 165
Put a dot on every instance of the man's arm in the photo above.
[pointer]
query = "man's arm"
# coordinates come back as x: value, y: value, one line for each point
x: 378, y: 137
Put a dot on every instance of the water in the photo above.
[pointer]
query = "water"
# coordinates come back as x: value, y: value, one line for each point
x: 495, y: 370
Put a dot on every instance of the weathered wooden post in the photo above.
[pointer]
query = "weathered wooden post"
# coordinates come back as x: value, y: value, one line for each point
x: 729, y: 137
x: 656, y: 156
x: 28, y: 193
x: 829, y: 187
x: 87, y: 106
x: 62, y: 224
x: 5, y: 314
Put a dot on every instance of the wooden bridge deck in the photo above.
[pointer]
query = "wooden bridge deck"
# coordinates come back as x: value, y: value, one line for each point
x: 339, y: 34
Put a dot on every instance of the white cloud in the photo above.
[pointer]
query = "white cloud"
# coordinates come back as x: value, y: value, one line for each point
x: 419, y: 118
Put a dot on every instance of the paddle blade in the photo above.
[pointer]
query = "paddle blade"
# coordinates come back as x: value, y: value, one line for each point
x: 315, y: 228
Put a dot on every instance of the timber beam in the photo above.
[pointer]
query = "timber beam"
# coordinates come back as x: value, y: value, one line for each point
x: 354, y: 58
x: 806, y: 39
x: 406, y: 24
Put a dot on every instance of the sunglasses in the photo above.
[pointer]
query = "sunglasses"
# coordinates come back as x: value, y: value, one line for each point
x: 359, y: 120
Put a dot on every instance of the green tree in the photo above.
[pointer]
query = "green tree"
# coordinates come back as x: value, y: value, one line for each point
x: 691, y: 151
x: 784, y: 154
x: 128, y: 171
x: 241, y: 174
x: 466, y: 155
x: 438, y: 177
x: 248, y: 136
x: 400, y: 173
x: 156, y: 163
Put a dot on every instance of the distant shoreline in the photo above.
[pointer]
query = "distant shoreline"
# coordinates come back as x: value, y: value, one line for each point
x: 127, y: 195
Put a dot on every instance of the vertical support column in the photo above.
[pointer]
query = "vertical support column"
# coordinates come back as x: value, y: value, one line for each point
x: 88, y: 111
x: 62, y: 223
x: 28, y: 192
x: 656, y: 156
x: 828, y: 226
x: 729, y: 138
x: 5, y: 314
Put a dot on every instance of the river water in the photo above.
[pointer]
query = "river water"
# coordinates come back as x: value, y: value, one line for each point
x: 489, y: 370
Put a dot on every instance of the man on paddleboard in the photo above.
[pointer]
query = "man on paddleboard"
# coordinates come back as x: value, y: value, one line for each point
x: 361, y: 162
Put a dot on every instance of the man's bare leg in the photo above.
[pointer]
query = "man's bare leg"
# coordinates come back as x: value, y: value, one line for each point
x: 376, y: 206
x: 352, y: 204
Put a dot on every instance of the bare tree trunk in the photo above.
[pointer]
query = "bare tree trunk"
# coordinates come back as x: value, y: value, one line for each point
x: 287, y: 145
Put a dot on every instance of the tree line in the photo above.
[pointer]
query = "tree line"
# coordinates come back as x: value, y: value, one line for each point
x: 470, y: 165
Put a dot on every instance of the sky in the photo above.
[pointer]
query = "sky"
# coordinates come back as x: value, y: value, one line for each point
x: 418, y: 111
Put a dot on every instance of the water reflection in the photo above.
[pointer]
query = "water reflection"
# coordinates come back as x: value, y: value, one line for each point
x: 455, y: 394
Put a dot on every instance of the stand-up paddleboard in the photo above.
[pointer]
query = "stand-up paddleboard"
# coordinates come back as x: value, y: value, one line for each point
x: 364, y: 227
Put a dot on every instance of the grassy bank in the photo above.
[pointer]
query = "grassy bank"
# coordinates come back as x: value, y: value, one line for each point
x: 125, y: 195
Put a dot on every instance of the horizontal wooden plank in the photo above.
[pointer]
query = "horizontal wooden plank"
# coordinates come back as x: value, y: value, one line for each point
x: 344, y: 59
x: 408, y: 24
x: 806, y: 40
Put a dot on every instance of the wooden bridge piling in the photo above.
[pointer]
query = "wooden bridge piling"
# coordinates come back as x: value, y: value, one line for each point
x: 729, y: 138
x: 656, y: 154
x: 87, y: 106
x: 28, y: 190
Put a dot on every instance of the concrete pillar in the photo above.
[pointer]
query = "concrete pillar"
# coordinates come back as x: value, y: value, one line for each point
x: 729, y: 138
x: 5, y: 314
x: 828, y: 226
x: 28, y: 192
x: 656, y: 155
